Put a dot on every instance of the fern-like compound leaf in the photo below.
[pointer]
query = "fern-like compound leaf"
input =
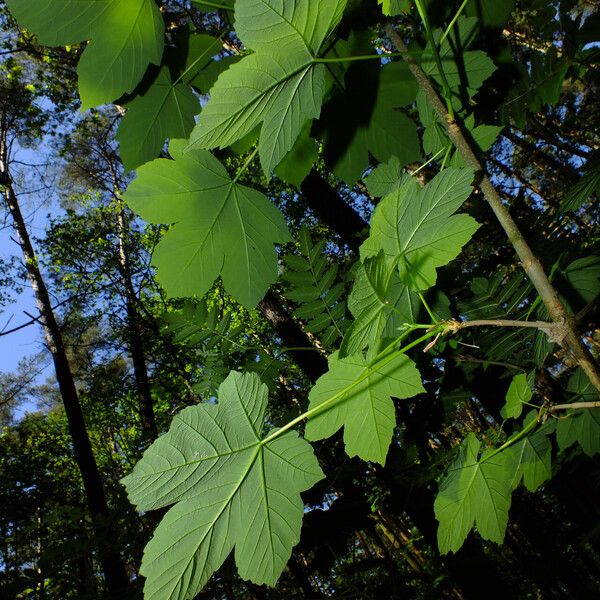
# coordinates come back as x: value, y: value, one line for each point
x: 314, y: 284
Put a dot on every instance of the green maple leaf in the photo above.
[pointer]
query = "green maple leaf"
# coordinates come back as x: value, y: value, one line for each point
x: 583, y: 425
x: 474, y: 492
x: 232, y: 487
x: 467, y: 67
x: 167, y: 108
x: 365, y: 410
x: 220, y: 227
x: 394, y: 7
x: 298, y: 162
x: 380, y: 304
x: 385, y: 178
x: 517, y: 395
x: 490, y: 14
x: 280, y: 86
x: 417, y: 228
x: 531, y: 457
x: 125, y: 35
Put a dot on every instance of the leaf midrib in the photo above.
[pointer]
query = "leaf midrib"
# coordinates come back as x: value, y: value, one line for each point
x: 258, y: 99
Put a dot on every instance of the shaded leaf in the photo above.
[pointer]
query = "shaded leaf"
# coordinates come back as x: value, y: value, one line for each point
x: 165, y: 110
x: 380, y: 304
x: 580, y: 426
x: 586, y: 187
x: 518, y: 393
x: 385, y: 178
x: 473, y: 492
x: 531, y: 457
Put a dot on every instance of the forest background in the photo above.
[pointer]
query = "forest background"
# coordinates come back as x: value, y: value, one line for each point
x: 402, y: 256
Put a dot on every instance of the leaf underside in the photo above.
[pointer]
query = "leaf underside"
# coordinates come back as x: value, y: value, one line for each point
x: 124, y: 38
x: 232, y: 491
x: 279, y: 87
x: 366, y: 411
x: 219, y: 228
x: 418, y: 228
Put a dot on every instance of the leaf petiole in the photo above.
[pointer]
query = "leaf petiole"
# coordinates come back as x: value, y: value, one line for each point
x: 374, y: 365
x: 436, y: 56
x: 523, y: 433
x: 216, y: 5
x: 344, y: 59
x: 454, y: 19
x: 428, y: 162
x: 429, y: 311
x: 243, y: 168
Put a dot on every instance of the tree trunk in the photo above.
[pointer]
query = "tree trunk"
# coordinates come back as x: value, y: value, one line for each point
x: 328, y: 206
x: 115, y: 574
x: 136, y: 344
x: 314, y: 364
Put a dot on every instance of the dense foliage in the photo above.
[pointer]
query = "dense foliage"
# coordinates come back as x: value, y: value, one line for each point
x: 324, y: 282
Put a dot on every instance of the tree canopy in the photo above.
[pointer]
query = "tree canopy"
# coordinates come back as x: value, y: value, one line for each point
x: 319, y: 283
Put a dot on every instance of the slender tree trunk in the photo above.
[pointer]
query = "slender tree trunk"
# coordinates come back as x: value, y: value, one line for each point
x: 314, y: 364
x: 136, y: 344
x: 114, y: 570
x: 328, y: 206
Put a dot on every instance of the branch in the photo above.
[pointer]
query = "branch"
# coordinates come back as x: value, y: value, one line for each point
x: 554, y: 331
x: 530, y: 263
x: 574, y: 406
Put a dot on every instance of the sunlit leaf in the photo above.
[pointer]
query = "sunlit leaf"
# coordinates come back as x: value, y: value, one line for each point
x: 232, y: 489
x: 365, y: 410
x: 220, y: 228
x: 280, y: 86
x: 417, y: 226
x: 124, y: 37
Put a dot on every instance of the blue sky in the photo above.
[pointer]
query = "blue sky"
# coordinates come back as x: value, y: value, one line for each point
x: 36, y: 207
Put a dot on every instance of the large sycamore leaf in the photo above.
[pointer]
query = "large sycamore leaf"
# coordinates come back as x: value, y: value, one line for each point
x: 166, y: 109
x: 363, y: 404
x: 124, y: 36
x: 219, y: 227
x: 474, y: 492
x: 232, y: 488
x: 417, y: 226
x: 280, y: 86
